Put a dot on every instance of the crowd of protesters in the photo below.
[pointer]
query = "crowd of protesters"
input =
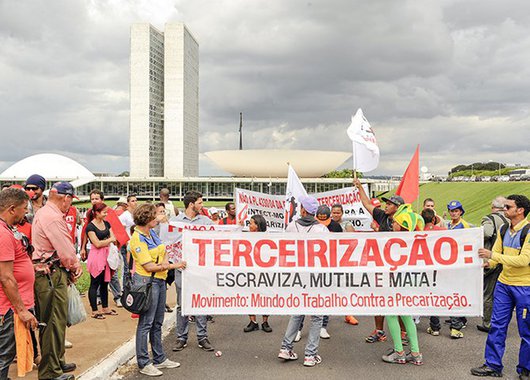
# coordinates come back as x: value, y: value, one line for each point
x: 40, y: 256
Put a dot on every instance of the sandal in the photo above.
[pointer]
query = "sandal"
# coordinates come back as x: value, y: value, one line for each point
x: 111, y: 312
x: 98, y: 316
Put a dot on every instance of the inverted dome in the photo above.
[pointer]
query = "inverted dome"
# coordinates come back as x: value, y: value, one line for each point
x: 49, y: 165
x: 273, y: 162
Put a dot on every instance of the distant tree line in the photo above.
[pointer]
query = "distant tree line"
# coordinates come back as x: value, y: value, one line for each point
x: 477, y: 166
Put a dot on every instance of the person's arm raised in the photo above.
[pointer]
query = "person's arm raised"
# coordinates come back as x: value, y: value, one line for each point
x: 364, y: 197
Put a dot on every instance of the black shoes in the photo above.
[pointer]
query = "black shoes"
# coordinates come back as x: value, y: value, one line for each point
x: 252, y: 326
x: 483, y: 328
x: 68, y: 367
x: 205, y: 345
x: 485, y: 371
x: 180, y: 345
x: 525, y: 375
x: 265, y: 327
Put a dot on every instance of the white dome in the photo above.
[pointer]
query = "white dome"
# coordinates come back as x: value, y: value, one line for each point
x: 273, y: 162
x: 50, y: 166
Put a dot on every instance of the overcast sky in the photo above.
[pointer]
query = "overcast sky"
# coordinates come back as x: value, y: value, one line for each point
x: 452, y: 76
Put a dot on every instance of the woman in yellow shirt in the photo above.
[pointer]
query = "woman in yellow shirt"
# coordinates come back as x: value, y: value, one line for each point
x: 149, y: 256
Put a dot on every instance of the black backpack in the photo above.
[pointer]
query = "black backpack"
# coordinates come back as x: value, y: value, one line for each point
x: 491, y: 240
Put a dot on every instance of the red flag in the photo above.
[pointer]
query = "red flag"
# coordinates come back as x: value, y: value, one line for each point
x: 409, y: 187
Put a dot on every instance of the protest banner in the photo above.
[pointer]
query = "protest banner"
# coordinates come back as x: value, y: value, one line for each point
x: 271, y: 207
x: 351, y: 203
x: 391, y: 273
x: 171, y: 235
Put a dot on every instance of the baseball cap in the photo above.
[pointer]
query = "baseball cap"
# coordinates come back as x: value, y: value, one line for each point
x: 323, y: 215
x: 213, y: 210
x: 64, y: 188
x: 453, y: 205
x: 121, y: 200
x: 310, y: 204
x: 395, y: 199
x: 375, y: 202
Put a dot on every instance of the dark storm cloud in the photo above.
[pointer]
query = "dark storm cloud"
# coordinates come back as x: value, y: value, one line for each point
x: 451, y: 76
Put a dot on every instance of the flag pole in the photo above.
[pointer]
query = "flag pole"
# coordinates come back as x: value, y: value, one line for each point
x: 354, y: 161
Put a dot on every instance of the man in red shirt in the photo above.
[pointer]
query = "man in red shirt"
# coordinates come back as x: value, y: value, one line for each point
x: 429, y: 217
x: 17, y: 276
x: 231, y: 214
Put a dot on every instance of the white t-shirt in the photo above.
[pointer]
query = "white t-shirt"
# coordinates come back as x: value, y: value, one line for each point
x: 127, y: 221
x: 170, y: 209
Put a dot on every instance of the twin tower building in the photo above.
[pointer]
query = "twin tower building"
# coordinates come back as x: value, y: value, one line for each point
x: 164, y: 96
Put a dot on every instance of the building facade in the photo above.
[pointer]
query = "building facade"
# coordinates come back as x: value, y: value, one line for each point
x: 164, y: 98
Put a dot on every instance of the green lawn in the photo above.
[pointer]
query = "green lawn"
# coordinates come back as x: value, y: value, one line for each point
x: 476, y: 197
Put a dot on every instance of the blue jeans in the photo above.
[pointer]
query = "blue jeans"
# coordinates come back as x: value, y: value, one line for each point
x: 182, y: 321
x: 150, y: 323
x: 7, y: 343
x: 313, y: 339
x: 325, y: 322
x: 505, y: 299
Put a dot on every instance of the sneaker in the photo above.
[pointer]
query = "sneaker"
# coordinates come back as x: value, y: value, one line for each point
x: 414, y: 359
x: 485, y: 371
x: 151, y: 370
x: 351, y: 320
x: 68, y: 344
x: 416, y: 320
x: 191, y: 319
x: 298, y: 336
x: 377, y: 336
x: 180, y: 345
x: 118, y: 302
x: 395, y: 357
x: 205, y: 345
x: 456, y: 334
x: 167, y: 364
x: 433, y: 332
x: 324, y: 333
x: 252, y: 326
x: 404, y: 338
x: 311, y: 361
x: 168, y: 308
x: 209, y: 318
x: 483, y: 328
x: 287, y: 354
x: 265, y: 327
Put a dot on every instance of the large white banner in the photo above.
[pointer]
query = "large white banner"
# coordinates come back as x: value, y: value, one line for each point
x: 271, y: 207
x: 351, y: 203
x: 393, y: 273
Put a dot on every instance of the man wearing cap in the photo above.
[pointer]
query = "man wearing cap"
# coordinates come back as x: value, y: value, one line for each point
x: 456, y: 211
x: 491, y: 224
x: 324, y: 217
x: 17, y: 276
x: 37, y: 184
x: 56, y: 264
x: 214, y: 215
x: 169, y: 206
x: 385, y: 221
x: 306, y: 224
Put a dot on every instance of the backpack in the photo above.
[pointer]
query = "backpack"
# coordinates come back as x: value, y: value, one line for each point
x: 522, y: 237
x: 489, y: 242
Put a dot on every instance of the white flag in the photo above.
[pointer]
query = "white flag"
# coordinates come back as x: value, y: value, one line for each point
x: 365, y: 149
x: 293, y: 192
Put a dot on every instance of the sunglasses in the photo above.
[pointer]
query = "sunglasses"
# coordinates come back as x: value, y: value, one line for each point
x: 25, y: 242
x: 31, y: 188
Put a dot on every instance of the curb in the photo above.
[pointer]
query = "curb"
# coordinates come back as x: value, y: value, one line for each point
x: 123, y: 354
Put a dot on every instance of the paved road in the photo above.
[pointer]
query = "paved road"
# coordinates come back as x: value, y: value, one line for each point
x: 345, y: 355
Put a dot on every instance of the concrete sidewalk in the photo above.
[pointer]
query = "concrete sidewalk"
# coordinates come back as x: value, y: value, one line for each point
x: 94, y: 340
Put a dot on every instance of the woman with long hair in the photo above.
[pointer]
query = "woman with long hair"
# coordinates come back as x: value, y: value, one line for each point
x: 258, y: 224
x: 101, y: 237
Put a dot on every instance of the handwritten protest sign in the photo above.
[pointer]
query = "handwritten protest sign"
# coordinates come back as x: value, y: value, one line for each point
x: 394, y: 273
